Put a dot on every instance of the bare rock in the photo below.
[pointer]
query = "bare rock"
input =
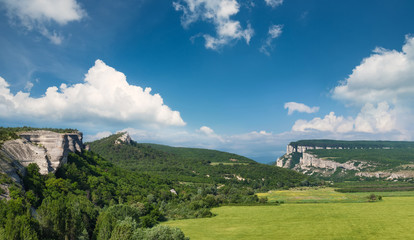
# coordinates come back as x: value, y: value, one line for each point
x: 124, y: 139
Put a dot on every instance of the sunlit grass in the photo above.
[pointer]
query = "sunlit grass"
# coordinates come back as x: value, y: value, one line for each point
x: 323, y: 195
x: 334, y: 216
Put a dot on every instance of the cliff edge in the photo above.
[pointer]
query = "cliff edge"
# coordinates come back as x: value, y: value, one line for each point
x: 350, y: 159
x: 49, y: 150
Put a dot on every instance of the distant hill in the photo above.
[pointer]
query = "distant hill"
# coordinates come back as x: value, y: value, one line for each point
x: 351, y: 160
x: 195, y: 165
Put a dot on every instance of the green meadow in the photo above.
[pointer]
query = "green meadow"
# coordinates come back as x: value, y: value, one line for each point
x: 325, y: 195
x: 309, y: 214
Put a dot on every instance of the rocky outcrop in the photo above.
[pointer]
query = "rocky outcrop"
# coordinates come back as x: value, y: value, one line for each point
x: 298, y: 158
x: 124, y: 139
x: 49, y: 150
x: 56, y: 145
x: 387, y: 175
x: 22, y: 152
x: 310, y: 160
x: 301, y: 149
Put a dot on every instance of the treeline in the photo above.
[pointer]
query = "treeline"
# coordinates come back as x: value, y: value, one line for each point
x: 352, y: 144
x: 9, y: 133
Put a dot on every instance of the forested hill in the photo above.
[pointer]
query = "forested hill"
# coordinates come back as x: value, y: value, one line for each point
x: 196, y: 165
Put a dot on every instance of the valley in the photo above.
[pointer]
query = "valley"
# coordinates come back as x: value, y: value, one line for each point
x: 59, y: 187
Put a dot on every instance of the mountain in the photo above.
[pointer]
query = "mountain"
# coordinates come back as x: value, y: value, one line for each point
x: 194, y: 165
x: 351, y: 160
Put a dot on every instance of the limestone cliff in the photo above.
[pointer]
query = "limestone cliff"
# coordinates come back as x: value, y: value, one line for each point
x: 56, y: 145
x: 299, y: 158
x: 47, y: 149
x: 124, y: 138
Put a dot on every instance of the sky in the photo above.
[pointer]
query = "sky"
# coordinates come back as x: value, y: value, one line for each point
x: 244, y: 76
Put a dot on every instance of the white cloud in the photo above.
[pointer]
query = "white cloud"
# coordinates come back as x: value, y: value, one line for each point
x: 218, y: 12
x: 274, y: 32
x: 330, y: 123
x: 386, y: 75
x: 371, y: 119
x: 274, y: 3
x: 99, y: 135
x: 37, y: 14
x: 299, y: 107
x: 382, y: 86
x: 29, y: 86
x: 105, y: 97
x: 206, y: 130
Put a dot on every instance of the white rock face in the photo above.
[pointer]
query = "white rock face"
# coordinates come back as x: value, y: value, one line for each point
x: 285, y: 161
x: 124, y: 138
x: 57, y: 145
x: 311, y: 164
x: 388, y: 175
x: 310, y: 160
x: 47, y: 149
x: 24, y: 152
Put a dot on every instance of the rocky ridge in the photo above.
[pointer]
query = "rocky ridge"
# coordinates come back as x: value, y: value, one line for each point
x: 124, y: 139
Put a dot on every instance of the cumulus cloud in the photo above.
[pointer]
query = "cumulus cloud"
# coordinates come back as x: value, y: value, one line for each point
x: 299, y: 107
x: 386, y: 75
x: 274, y: 3
x: 105, y: 97
x: 371, y: 119
x: 382, y: 86
x: 274, y: 32
x: 37, y: 14
x: 219, y: 13
x: 206, y: 130
x: 99, y: 135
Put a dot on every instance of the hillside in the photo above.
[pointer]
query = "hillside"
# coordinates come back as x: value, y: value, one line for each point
x: 195, y: 165
x: 352, y: 160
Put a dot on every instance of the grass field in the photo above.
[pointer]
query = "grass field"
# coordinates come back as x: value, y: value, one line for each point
x: 324, y: 195
x: 390, y: 218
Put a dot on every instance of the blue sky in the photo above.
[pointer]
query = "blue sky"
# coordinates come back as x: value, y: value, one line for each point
x: 241, y: 76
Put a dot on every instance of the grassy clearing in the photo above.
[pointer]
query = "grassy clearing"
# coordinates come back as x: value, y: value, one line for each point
x: 391, y: 218
x: 322, y: 214
x: 324, y: 195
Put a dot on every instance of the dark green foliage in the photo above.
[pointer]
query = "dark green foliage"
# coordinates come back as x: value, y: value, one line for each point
x: 69, y: 204
x: 296, y: 158
x: 67, y: 217
x: 373, y: 198
x: 34, y: 183
x: 160, y: 233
